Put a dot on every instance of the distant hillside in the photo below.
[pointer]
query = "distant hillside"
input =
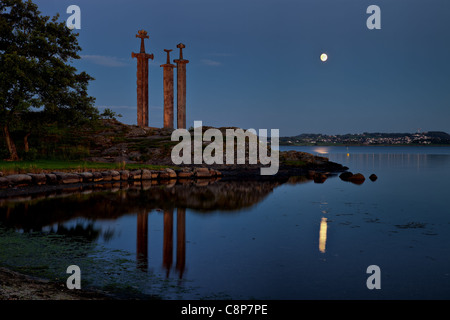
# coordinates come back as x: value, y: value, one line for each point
x: 366, y: 138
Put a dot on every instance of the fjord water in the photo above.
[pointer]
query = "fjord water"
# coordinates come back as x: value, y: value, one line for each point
x: 253, y: 240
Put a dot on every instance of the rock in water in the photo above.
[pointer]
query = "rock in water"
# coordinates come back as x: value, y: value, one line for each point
x: 135, y: 175
x: 19, y: 179
x: 38, y: 178
x: 124, y: 174
x: 51, y: 178
x: 146, y: 174
x: 97, y: 176
x: 115, y: 175
x: 373, y: 177
x: 357, y: 178
x: 106, y: 175
x: 345, y: 176
x: 67, y: 178
x: 86, y: 176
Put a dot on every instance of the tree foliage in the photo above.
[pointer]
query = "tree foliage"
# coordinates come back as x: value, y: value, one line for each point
x: 38, y: 84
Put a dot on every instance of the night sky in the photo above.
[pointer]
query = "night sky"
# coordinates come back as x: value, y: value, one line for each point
x: 256, y: 63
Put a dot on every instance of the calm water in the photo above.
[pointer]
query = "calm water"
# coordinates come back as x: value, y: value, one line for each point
x: 241, y: 240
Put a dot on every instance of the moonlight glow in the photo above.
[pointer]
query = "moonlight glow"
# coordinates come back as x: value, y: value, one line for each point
x: 323, y: 57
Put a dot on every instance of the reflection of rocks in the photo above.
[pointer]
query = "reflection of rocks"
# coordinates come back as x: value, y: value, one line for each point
x: 298, y: 179
x: 320, y: 177
x: 202, y: 195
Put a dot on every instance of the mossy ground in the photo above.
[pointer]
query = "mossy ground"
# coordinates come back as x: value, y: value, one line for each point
x: 37, y: 166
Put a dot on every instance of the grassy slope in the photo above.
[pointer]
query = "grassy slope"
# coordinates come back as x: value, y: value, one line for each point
x: 11, y: 167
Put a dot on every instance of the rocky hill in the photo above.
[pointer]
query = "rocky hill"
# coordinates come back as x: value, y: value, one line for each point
x: 117, y: 142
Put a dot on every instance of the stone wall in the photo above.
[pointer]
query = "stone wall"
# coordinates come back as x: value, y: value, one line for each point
x: 64, y: 178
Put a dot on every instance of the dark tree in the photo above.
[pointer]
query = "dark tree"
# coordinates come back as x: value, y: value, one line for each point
x: 37, y: 80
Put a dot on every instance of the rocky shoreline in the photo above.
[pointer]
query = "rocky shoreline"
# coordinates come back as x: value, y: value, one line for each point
x: 317, y: 168
x: 16, y: 286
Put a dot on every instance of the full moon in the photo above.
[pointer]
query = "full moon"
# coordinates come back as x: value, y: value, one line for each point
x: 323, y: 57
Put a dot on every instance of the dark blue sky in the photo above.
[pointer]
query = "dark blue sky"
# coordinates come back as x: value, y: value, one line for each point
x: 255, y: 63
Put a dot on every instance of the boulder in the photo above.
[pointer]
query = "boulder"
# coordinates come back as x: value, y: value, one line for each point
x: 202, y: 173
x: 67, y: 178
x: 4, y: 182
x: 124, y: 174
x: 373, y: 177
x: 135, y: 174
x: 86, y: 176
x: 357, y: 178
x: 97, y: 176
x: 146, y: 174
x: 164, y: 175
x: 51, y: 178
x: 345, y: 176
x: 115, y: 175
x: 183, y: 174
x: 38, y: 178
x: 155, y: 174
x: 106, y: 175
x: 171, y: 172
x: 19, y: 179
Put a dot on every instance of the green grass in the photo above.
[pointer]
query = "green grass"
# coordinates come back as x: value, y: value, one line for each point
x: 12, y: 167
x: 295, y: 163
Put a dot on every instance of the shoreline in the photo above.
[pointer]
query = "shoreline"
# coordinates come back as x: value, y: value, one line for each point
x: 18, y: 286
x: 365, y: 145
x: 29, y: 184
